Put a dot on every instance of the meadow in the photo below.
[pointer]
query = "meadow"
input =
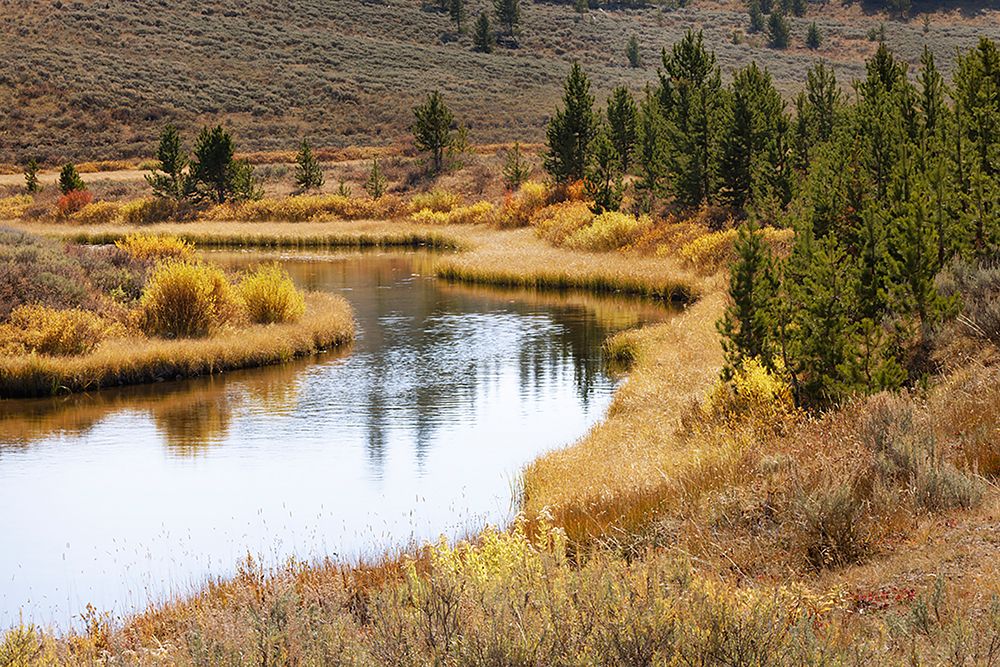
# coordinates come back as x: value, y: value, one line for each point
x: 347, y: 76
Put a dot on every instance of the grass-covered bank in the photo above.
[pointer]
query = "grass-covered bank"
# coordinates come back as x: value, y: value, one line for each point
x: 326, y: 324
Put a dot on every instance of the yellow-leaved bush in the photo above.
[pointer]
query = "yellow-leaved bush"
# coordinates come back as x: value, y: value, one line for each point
x: 302, y: 208
x: 558, y: 222
x: 268, y: 295
x: 753, y: 391
x: 519, y: 207
x: 98, y: 213
x: 438, y: 201
x: 155, y: 247
x: 186, y: 299
x: 12, y: 208
x: 609, y: 231
x: 475, y: 214
x: 34, y: 328
x: 714, y: 250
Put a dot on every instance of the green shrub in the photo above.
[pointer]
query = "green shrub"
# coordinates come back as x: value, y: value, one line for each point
x: 186, y: 299
x: 268, y: 295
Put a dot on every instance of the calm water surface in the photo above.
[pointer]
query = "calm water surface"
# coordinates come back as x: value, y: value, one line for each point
x: 129, y: 496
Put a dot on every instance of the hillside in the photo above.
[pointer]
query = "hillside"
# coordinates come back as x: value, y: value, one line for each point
x: 96, y: 79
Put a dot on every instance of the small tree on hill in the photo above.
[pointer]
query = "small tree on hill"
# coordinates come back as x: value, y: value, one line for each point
x: 813, y: 38
x: 243, y: 182
x: 778, y: 31
x: 515, y: 169
x: 622, y: 119
x: 432, y: 128
x: 308, y: 172
x: 376, y: 184
x: 167, y: 179
x: 756, y: 16
x: 571, y: 130
x: 603, y: 179
x: 632, y: 52
x: 456, y: 8
x: 483, y: 36
x: 31, y: 176
x: 69, y: 179
x: 211, y: 166
x: 508, y: 13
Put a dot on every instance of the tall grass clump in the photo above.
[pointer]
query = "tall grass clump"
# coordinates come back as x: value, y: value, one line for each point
x: 558, y: 222
x: 38, y: 329
x: 303, y: 208
x: 268, y: 295
x: 186, y: 299
x: 155, y: 247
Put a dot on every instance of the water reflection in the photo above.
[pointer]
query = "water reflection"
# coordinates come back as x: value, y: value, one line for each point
x: 127, y: 495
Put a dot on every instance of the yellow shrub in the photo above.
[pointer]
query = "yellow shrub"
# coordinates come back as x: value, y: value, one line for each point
x: 519, y: 207
x: 186, y: 299
x: 557, y: 222
x: 43, y: 330
x: 609, y: 231
x: 753, y: 391
x: 97, y: 213
x: 302, y: 208
x: 711, y: 251
x: 12, y: 208
x: 436, y: 200
x: 148, y: 246
x: 268, y: 295
x: 104, y: 165
x: 479, y: 213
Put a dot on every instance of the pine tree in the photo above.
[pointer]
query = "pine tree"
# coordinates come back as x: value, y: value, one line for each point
x: 622, y: 119
x: 571, y: 130
x: 515, y: 169
x: 813, y: 38
x: 31, y: 176
x: 69, y: 179
x: 652, y: 151
x: 690, y: 94
x: 632, y: 52
x: 376, y: 184
x: 824, y: 99
x: 432, y: 129
x: 603, y: 178
x: 752, y: 140
x: 799, y: 7
x: 243, y: 182
x: 483, y: 36
x: 932, y: 104
x: 167, y: 179
x: 756, y: 17
x: 778, y: 31
x: 211, y: 168
x: 508, y: 13
x: 308, y: 172
x: 456, y: 9
x: 745, y: 325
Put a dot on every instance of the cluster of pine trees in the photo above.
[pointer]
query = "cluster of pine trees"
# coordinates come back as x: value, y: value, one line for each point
x: 884, y: 187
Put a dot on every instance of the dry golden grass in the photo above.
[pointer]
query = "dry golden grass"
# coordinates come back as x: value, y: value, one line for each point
x: 327, y: 323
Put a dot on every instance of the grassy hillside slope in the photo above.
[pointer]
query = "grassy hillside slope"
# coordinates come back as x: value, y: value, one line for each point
x: 93, y: 79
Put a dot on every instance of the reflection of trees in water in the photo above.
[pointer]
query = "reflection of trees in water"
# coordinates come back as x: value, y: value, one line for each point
x: 425, y: 358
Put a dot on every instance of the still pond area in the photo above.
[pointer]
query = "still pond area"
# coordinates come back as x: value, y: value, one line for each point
x: 127, y: 496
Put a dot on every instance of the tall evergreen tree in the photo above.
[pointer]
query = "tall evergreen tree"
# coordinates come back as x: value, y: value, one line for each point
x: 515, y: 169
x: 632, y: 52
x: 211, y: 167
x: 432, y: 128
x: 508, y: 14
x: 31, y: 176
x: 622, y: 118
x: 652, y: 151
x: 482, y: 38
x: 746, y: 324
x: 308, y: 172
x: 778, y: 31
x: 813, y: 38
x: 376, y: 184
x: 756, y: 16
x: 753, y: 139
x: 456, y: 9
x: 603, y: 176
x: 69, y: 179
x: 690, y: 94
x: 571, y: 129
x: 168, y: 179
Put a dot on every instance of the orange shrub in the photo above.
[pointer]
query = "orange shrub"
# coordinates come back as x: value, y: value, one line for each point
x: 73, y: 201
